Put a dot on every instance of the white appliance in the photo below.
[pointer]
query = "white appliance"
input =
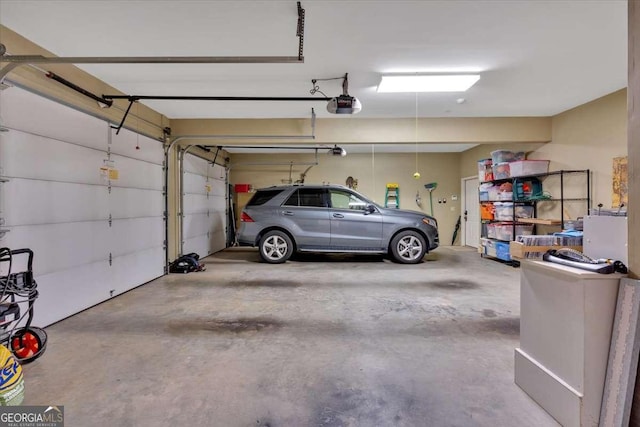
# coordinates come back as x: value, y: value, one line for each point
x: 606, y: 237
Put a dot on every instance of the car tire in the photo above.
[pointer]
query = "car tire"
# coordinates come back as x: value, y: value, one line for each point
x: 408, y: 247
x: 276, y: 247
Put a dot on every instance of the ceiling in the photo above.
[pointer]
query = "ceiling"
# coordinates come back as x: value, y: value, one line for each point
x: 536, y: 58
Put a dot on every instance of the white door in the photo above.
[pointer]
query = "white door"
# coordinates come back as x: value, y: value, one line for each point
x: 93, y: 237
x: 471, y: 212
x: 204, y: 205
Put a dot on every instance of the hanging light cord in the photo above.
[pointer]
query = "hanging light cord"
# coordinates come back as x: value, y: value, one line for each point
x: 373, y: 165
x: 416, y: 131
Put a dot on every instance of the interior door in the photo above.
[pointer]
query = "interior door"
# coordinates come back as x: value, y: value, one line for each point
x: 471, y: 213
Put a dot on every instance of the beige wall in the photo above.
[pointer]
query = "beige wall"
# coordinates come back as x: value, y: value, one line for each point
x: 586, y: 137
x: 142, y: 118
x: 589, y: 137
x: 372, y: 171
x: 361, y: 130
x: 469, y: 159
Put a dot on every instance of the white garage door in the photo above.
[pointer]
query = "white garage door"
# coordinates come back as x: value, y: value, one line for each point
x: 204, y: 223
x: 94, y: 234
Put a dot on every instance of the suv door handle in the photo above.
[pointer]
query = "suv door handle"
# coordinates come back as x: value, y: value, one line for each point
x: 337, y: 215
x: 289, y: 213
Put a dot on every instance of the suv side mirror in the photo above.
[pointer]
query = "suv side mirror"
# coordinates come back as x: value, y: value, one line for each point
x: 369, y: 209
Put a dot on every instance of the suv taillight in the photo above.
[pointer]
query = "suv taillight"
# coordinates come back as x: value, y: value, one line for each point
x: 245, y: 218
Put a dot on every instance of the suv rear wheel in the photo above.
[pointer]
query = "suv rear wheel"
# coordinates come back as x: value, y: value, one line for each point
x: 276, y: 247
x: 408, y: 247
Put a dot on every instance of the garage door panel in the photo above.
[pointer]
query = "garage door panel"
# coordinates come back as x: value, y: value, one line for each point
x: 131, y: 235
x: 218, y: 203
x: 195, y: 165
x: 134, y: 203
x: 195, y: 184
x: 63, y: 293
x: 36, y: 157
x: 217, y: 221
x: 204, y: 205
x: 195, y: 204
x: 196, y: 224
x: 125, y: 144
x: 199, y: 245
x: 19, y: 107
x: 217, y: 241
x: 61, y: 246
x: 218, y: 188
x: 58, y: 204
x: 217, y: 172
x: 218, y: 214
x: 133, y: 173
x: 42, y: 202
x: 135, y: 269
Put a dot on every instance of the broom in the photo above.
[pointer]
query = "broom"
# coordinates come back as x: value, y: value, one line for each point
x: 430, y: 187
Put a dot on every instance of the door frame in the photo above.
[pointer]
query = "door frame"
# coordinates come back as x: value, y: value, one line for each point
x: 463, y: 201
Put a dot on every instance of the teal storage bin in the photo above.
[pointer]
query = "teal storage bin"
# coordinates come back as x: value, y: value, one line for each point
x: 525, y: 189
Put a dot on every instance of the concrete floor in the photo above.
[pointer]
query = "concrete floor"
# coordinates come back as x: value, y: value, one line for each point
x: 324, y: 340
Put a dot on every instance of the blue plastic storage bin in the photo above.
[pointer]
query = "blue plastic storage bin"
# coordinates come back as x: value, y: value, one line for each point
x: 502, y: 251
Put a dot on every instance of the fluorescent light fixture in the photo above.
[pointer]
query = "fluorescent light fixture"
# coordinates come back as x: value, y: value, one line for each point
x: 427, y: 82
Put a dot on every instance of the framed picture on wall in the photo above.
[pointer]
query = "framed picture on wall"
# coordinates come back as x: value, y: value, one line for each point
x: 620, y: 181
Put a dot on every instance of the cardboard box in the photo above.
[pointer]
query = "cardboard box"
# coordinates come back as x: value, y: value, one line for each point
x: 519, y: 250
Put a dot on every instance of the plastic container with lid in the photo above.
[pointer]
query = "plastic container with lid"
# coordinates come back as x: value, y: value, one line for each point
x: 485, y: 172
x: 505, y: 195
x: 493, y: 192
x: 501, y: 170
x: 504, y: 211
x: 528, y: 167
x: 504, y: 230
x: 486, y: 211
x: 502, y: 156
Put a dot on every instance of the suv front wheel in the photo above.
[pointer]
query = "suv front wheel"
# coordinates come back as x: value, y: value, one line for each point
x: 408, y: 247
x: 275, y: 247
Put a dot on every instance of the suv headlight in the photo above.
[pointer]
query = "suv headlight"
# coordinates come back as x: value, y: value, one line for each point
x: 430, y: 221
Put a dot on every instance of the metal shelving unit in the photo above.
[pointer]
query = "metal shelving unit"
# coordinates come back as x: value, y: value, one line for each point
x: 534, y: 201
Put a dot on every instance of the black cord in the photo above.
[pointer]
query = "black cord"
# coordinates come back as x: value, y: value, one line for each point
x: 620, y: 267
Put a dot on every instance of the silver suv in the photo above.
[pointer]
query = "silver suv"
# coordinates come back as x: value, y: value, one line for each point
x: 331, y: 218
